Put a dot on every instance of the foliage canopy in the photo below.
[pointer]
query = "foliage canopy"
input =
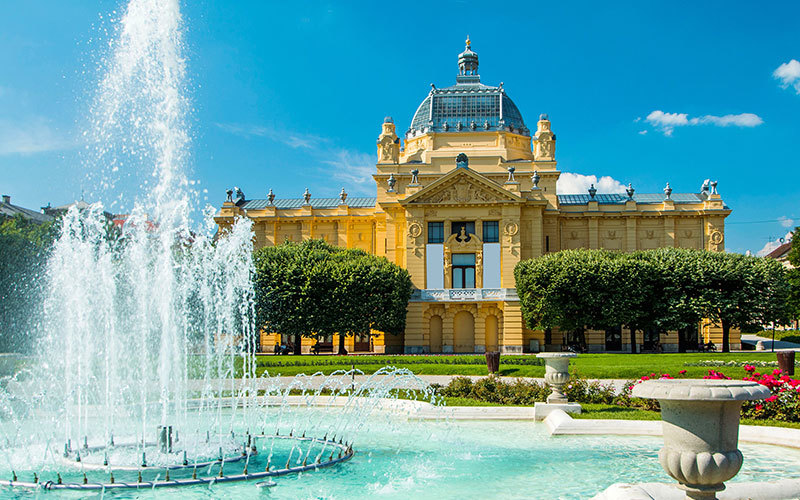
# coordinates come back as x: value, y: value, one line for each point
x: 314, y: 289
x: 663, y: 289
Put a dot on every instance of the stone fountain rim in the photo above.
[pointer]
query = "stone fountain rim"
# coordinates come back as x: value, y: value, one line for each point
x: 700, y: 390
x: 556, y: 355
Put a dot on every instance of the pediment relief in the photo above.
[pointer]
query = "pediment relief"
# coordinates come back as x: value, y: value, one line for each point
x: 463, y: 189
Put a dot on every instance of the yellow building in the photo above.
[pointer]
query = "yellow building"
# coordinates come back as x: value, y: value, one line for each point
x: 467, y: 194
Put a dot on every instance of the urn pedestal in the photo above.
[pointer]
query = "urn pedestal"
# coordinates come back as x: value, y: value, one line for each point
x: 556, y: 374
x: 700, y: 421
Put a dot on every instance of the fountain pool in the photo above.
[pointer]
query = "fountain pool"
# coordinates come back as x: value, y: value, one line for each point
x: 400, y: 458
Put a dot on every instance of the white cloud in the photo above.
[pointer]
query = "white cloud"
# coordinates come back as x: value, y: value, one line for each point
x: 643, y: 132
x: 29, y: 136
x: 569, y: 183
x: 666, y: 122
x: 789, y: 74
x: 786, y: 221
x: 772, y: 245
x: 292, y: 139
x: 352, y: 167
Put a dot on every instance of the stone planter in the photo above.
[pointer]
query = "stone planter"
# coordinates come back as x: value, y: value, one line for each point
x: 556, y: 374
x: 700, y: 420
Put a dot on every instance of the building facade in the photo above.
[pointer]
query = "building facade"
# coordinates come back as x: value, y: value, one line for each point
x: 467, y: 193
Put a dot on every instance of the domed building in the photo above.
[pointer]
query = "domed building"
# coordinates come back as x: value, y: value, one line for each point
x: 467, y: 193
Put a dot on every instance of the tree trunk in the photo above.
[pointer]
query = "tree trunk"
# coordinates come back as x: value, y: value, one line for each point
x: 633, y: 340
x: 726, y: 336
x: 298, y: 344
x: 342, y: 350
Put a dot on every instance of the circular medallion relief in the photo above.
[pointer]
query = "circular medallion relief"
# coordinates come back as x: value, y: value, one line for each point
x: 415, y: 229
x: 511, y: 229
x: 716, y: 237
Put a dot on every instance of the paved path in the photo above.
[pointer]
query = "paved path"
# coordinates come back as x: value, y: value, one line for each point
x: 318, y: 381
x: 780, y: 345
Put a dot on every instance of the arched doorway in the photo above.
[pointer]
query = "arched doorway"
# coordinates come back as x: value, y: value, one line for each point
x: 435, y: 342
x: 491, y: 332
x: 464, y: 332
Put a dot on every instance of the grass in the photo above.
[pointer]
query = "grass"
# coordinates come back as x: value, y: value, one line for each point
x: 609, y: 366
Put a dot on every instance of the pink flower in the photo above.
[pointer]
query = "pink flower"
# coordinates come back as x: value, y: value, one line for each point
x: 771, y: 398
x: 749, y: 368
x: 682, y: 372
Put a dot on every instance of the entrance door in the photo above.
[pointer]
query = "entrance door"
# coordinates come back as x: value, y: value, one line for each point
x: 464, y: 332
x: 614, y: 339
x: 491, y: 333
x: 436, y: 334
x: 361, y: 343
x: 687, y: 339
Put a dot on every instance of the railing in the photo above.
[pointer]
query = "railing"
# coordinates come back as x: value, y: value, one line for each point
x: 463, y: 294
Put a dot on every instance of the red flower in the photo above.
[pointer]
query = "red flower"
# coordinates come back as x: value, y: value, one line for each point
x: 771, y: 398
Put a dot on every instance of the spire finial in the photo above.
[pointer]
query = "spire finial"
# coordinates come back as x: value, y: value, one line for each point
x: 468, y: 42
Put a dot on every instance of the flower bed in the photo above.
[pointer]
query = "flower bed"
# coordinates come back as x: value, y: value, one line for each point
x: 783, y: 404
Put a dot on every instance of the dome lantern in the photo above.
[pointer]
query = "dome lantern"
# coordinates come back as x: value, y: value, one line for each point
x: 468, y: 65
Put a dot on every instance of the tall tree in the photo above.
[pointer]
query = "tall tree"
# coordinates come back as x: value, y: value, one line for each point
x: 314, y: 289
x: 793, y: 277
x: 24, y: 247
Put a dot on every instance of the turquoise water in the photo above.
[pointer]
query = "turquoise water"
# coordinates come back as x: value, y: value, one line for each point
x: 399, y: 459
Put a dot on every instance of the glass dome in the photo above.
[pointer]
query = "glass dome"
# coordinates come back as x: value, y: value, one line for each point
x: 468, y: 105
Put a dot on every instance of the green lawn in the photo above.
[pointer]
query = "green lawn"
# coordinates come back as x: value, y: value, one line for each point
x: 619, y: 366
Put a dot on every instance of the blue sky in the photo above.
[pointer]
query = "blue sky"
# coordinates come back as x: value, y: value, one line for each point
x: 289, y: 95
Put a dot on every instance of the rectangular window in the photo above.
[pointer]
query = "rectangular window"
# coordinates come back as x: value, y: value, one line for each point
x: 546, y: 243
x: 435, y: 232
x: 456, y: 226
x: 463, y: 270
x: 491, y: 231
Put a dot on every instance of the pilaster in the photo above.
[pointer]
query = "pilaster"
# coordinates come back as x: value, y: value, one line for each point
x: 413, y: 337
x: 630, y: 234
x: 512, y: 328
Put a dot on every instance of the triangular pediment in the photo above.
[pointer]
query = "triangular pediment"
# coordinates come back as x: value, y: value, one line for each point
x: 462, y: 186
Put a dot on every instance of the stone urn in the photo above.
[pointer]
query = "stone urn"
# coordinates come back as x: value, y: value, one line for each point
x: 700, y: 421
x: 556, y: 374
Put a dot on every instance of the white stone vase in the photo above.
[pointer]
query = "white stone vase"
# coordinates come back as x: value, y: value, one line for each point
x: 556, y: 374
x: 700, y: 421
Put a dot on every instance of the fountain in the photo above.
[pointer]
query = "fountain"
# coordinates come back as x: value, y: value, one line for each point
x: 146, y: 373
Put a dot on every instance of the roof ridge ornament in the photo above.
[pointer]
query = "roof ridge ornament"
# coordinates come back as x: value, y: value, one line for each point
x: 592, y: 191
x: 630, y: 191
x: 462, y: 161
x: 667, y: 192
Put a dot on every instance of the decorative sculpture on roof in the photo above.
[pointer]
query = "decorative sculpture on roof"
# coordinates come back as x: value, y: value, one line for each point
x: 306, y: 197
x: 462, y: 161
x: 414, y: 177
x: 342, y: 197
x: 592, y: 191
x: 388, y: 143
x: 511, y: 170
x: 535, y: 179
x: 667, y: 192
x: 271, y: 197
x: 630, y: 191
x: 545, y: 140
x: 391, y: 182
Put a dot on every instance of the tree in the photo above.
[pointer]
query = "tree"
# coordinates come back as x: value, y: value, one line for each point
x: 664, y: 289
x: 733, y: 291
x: 24, y: 247
x: 793, y: 277
x: 314, y: 289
